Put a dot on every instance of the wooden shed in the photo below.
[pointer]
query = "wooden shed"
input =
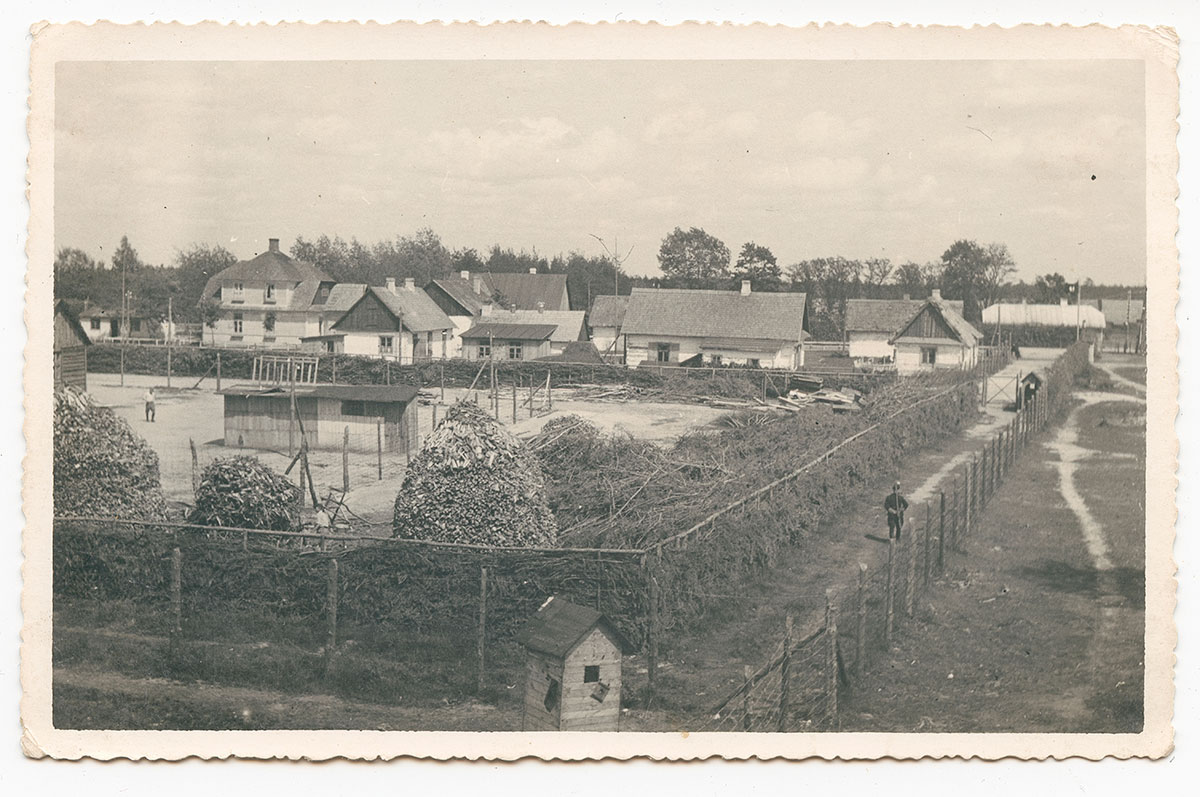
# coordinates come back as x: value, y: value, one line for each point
x: 70, y: 349
x: 573, y: 673
x: 261, y: 417
x: 1027, y: 388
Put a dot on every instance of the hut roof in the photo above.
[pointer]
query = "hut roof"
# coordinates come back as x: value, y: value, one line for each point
x: 526, y: 290
x: 608, y: 311
x: 959, y: 326
x: 273, y: 266
x: 1050, y: 315
x: 414, y: 309
x: 462, y: 292
x: 503, y: 331
x: 885, y: 315
x: 380, y: 393
x: 61, y: 308
x: 715, y: 314
x: 559, y: 626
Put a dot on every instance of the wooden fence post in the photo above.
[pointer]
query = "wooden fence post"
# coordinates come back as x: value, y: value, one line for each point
x: 218, y: 372
x: 482, y: 640
x: 549, y: 394
x: 785, y: 676
x: 169, y: 347
x: 860, y: 633
x: 832, y: 663
x: 442, y: 380
x: 379, y: 448
x: 651, y: 636
x: 334, y: 368
x: 889, y: 597
x: 515, y: 399
x: 434, y: 421
x: 195, y: 469
x: 910, y: 575
x: 331, y: 612
x: 302, y: 470
x: 346, y: 459
x: 747, y: 673
x: 927, y: 544
x: 173, y: 638
x: 942, y: 531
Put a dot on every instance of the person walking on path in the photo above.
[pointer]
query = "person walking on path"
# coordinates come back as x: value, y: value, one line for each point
x: 148, y: 397
x: 895, y: 504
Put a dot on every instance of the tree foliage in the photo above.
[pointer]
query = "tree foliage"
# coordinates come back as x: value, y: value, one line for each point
x: 758, y: 264
x: 693, y: 257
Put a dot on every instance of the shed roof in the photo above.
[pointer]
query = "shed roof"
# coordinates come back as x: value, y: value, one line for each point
x: 273, y: 266
x: 526, y: 290
x: 885, y: 315
x: 380, y: 393
x: 1048, y: 315
x: 61, y: 308
x: 608, y: 311
x: 715, y: 314
x: 559, y: 626
x: 568, y: 324
x: 461, y: 291
x: 506, y: 331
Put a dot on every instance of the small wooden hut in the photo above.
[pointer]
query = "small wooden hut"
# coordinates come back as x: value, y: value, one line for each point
x: 70, y: 349
x: 1027, y: 388
x: 376, y: 415
x: 573, y: 675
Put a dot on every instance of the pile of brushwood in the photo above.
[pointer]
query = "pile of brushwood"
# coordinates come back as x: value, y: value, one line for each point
x: 101, y: 467
x: 242, y: 492
x: 473, y: 482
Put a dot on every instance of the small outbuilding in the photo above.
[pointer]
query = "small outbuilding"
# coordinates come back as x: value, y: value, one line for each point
x: 573, y: 675
x: 1027, y: 388
x: 376, y: 415
x: 70, y: 349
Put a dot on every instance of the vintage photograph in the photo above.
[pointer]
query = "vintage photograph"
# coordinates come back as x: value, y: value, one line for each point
x: 702, y: 395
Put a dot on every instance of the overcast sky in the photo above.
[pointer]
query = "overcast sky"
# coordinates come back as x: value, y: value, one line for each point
x: 810, y: 158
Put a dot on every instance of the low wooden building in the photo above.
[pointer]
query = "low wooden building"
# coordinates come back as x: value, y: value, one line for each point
x: 573, y: 673
x: 871, y: 323
x: 70, y: 349
x: 262, y: 417
x: 495, y: 340
x: 936, y: 338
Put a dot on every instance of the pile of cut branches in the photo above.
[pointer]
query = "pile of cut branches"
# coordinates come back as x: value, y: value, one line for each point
x: 242, y: 492
x: 101, y: 467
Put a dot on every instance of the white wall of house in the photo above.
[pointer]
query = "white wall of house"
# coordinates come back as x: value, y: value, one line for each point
x: 605, y: 340
x: 255, y: 294
x: 290, y: 326
x: 454, y: 345
x: 948, y: 355
x: 870, y: 344
x: 368, y: 344
x: 643, y: 348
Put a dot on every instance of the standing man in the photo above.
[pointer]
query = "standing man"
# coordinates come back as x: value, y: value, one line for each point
x: 148, y: 397
x: 895, y: 506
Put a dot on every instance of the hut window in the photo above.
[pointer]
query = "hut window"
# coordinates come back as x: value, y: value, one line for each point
x: 95, y: 323
x: 553, y: 692
x: 515, y: 350
x: 237, y: 323
x: 386, y: 344
x: 270, y: 291
x: 928, y: 355
x: 662, y: 352
x: 591, y: 673
x: 485, y: 349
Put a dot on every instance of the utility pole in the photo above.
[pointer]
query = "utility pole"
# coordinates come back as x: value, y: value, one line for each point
x: 1078, y: 308
x: 616, y: 261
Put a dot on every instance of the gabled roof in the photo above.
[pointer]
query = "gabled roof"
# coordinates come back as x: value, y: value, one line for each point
x: 885, y: 315
x: 273, y: 266
x: 413, y: 309
x: 96, y: 311
x: 526, y: 290
x: 343, y: 296
x: 61, y: 308
x: 959, y: 327
x: 568, y: 324
x: 1047, y: 315
x: 715, y: 314
x: 462, y: 292
x: 559, y: 626
x: 608, y: 311
x: 506, y: 331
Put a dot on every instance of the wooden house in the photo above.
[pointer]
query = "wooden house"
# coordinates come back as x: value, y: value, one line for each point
x: 573, y: 671
x: 669, y: 326
x: 376, y: 415
x: 605, y: 318
x: 871, y: 323
x: 935, y: 337
x: 402, y: 324
x: 522, y: 334
x: 70, y: 349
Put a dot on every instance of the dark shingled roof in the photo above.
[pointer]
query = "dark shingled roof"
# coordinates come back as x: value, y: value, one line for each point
x: 526, y: 290
x: 273, y: 266
x: 64, y: 310
x: 462, y: 292
x: 715, y: 314
x: 382, y: 393
x: 559, y: 626
x: 885, y: 315
x: 500, y: 331
x: 962, y: 329
x: 414, y: 309
x: 608, y: 311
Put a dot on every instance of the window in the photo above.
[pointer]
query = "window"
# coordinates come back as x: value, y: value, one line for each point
x: 485, y: 350
x: 329, y: 347
x: 591, y: 673
x: 928, y: 355
x: 137, y: 324
x: 553, y: 692
x: 238, y: 291
x: 369, y: 409
x: 237, y: 323
x: 754, y: 363
x: 515, y: 350
x: 663, y: 352
x: 716, y: 361
x: 270, y: 297
x: 95, y: 323
x: 354, y: 408
x: 387, y: 344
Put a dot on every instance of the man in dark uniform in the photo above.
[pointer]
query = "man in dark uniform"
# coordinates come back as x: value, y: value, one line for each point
x: 895, y: 506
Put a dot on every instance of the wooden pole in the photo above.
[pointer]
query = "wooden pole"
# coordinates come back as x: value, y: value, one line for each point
x: 291, y: 412
x: 195, y: 469
x: 122, y: 363
x: 860, y: 634
x: 785, y: 676
x: 334, y: 367
x: 888, y: 600
x: 831, y: 666
x: 514, y: 394
x: 169, y: 347
x: 302, y: 472
x: 331, y: 609
x: 651, y: 637
x: 218, y: 372
x: 434, y: 421
x: 747, y: 674
x: 442, y: 380
x: 346, y: 460
x: 531, y: 395
x: 482, y: 636
x: 941, y: 532
x: 379, y: 448
x: 925, y: 561
x: 176, y: 590
x: 910, y: 574
x: 549, y: 397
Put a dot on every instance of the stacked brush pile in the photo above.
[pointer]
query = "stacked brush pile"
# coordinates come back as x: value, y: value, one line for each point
x: 473, y: 482
x: 242, y: 492
x: 101, y: 468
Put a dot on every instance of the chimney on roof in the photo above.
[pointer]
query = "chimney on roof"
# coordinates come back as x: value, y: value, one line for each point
x: 532, y: 270
x: 745, y: 287
x: 390, y: 282
x: 512, y: 308
x: 541, y: 307
x: 466, y: 275
x: 1062, y: 302
x: 410, y: 284
x: 273, y: 244
x: 907, y: 297
x: 935, y: 295
x: 478, y: 285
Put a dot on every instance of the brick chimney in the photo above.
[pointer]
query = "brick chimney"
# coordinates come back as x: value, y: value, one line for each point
x: 466, y: 275
x: 410, y: 284
x: 390, y: 283
x: 272, y: 244
x: 477, y: 285
x: 532, y: 270
x: 745, y: 287
x: 935, y: 295
x: 541, y: 306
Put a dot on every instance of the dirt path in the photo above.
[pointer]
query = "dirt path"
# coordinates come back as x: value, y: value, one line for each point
x: 1120, y: 380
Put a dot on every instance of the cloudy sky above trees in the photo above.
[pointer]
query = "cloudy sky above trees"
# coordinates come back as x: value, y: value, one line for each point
x: 813, y: 158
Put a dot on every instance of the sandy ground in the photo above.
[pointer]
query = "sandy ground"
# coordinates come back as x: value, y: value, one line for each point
x: 183, y: 414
